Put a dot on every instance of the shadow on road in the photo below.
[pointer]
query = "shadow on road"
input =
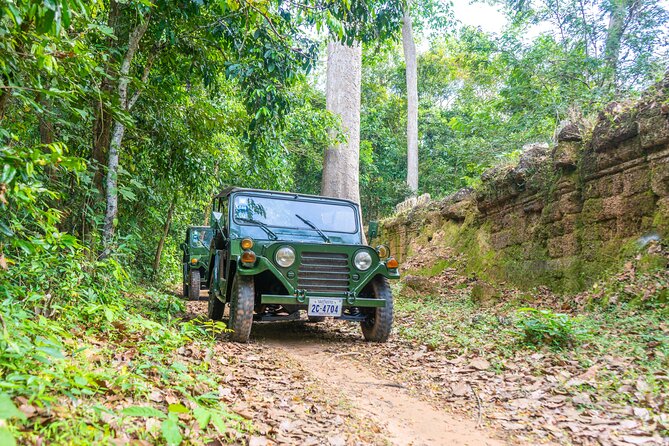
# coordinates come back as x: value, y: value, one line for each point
x: 298, y: 332
x: 292, y: 333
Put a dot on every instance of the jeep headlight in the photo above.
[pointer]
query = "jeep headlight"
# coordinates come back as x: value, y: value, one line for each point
x: 383, y: 251
x: 362, y: 260
x: 285, y: 256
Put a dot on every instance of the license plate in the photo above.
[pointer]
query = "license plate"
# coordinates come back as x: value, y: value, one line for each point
x: 324, y: 307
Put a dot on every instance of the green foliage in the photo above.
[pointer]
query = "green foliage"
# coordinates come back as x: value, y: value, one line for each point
x: 544, y: 327
x: 8, y: 409
x: 617, y: 46
x: 455, y: 324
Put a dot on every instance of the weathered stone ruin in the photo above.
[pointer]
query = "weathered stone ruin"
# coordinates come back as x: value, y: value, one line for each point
x: 563, y: 215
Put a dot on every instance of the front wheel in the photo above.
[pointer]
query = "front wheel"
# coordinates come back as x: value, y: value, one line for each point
x: 242, y: 300
x: 194, y: 284
x: 216, y: 307
x: 185, y: 281
x: 379, y: 323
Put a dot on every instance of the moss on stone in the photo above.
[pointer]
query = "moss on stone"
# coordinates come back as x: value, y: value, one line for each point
x: 650, y: 263
x: 434, y: 269
x: 536, y: 223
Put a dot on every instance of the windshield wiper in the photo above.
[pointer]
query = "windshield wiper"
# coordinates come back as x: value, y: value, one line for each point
x: 315, y: 228
x: 262, y: 225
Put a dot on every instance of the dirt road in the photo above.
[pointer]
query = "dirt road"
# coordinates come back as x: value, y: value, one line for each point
x: 360, y: 403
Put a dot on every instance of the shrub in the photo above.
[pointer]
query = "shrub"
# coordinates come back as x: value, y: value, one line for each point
x: 544, y: 327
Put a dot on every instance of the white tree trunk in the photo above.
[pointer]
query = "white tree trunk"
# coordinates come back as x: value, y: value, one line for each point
x: 412, y: 100
x: 342, y: 161
x: 112, y: 184
x: 117, y: 135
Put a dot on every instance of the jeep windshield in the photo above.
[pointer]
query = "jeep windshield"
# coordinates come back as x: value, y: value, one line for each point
x: 290, y: 214
x: 201, y: 238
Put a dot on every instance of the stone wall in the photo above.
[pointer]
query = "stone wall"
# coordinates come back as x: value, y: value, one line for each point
x: 563, y: 215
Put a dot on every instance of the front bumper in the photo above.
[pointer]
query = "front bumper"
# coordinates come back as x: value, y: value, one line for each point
x: 349, y: 300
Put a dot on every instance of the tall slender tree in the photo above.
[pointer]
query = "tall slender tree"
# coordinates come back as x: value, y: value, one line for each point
x: 409, y: 45
x: 119, y: 128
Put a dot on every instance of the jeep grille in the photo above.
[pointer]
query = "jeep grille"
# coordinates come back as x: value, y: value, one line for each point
x: 323, y: 272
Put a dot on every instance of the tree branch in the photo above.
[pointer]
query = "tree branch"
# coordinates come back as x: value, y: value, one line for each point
x: 145, y: 77
x: 269, y: 21
x: 133, y: 45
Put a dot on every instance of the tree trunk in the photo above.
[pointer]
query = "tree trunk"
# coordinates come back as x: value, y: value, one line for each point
x: 112, y: 185
x: 161, y: 242
x: 5, y: 93
x: 342, y: 161
x: 102, y: 127
x: 45, y: 126
x: 412, y: 100
x: 614, y: 36
x: 117, y: 137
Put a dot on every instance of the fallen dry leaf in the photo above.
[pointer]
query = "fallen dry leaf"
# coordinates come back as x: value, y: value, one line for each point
x: 582, y: 399
x: 479, y: 364
x: 637, y: 439
x: 641, y: 413
x: 258, y: 441
x: 337, y: 440
x: 156, y: 396
x: 460, y: 389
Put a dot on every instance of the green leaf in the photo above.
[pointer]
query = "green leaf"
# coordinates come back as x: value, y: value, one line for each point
x: 177, y: 408
x: 217, y: 421
x: 142, y: 411
x: 127, y: 194
x: 6, y: 437
x: 202, y: 416
x: 171, y: 432
x: 65, y: 11
x: 8, y: 409
x: 4, y: 229
x: 46, y: 21
x: 8, y: 174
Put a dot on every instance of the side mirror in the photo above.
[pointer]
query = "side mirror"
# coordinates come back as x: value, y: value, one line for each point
x: 216, y: 216
x: 373, y: 229
x: 182, y: 246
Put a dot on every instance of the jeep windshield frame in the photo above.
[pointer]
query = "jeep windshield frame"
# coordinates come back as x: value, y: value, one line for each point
x: 279, y: 211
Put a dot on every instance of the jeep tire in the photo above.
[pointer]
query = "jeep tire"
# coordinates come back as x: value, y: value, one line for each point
x: 379, y: 323
x: 185, y: 280
x: 216, y: 308
x: 194, y: 284
x: 242, y: 300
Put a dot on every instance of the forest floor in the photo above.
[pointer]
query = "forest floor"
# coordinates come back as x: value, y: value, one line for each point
x: 454, y: 373
x: 304, y: 383
x: 461, y: 371
x: 458, y: 370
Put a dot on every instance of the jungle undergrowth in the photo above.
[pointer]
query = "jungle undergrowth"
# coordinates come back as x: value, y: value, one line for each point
x: 622, y: 320
x: 131, y: 369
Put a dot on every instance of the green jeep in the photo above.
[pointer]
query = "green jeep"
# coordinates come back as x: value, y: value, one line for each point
x: 196, y: 260
x: 277, y: 253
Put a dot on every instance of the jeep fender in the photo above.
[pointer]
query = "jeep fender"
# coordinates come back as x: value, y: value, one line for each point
x: 262, y: 265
